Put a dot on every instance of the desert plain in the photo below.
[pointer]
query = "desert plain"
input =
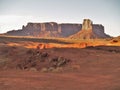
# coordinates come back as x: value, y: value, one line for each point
x: 29, y: 63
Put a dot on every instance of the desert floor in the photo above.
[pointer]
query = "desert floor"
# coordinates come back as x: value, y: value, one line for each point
x: 95, y: 67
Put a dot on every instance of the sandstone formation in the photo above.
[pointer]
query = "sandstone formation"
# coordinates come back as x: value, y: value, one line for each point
x: 49, y: 29
x: 53, y: 29
x: 87, y: 24
x: 90, y: 31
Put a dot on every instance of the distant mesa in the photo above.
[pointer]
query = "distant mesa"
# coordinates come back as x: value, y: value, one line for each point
x: 87, y: 30
x: 90, y: 31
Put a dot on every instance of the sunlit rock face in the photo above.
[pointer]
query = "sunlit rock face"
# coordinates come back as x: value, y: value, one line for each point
x: 53, y: 29
x: 90, y: 31
x: 87, y: 24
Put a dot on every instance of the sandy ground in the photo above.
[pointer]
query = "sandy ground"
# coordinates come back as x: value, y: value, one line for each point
x: 91, y: 68
x: 22, y: 80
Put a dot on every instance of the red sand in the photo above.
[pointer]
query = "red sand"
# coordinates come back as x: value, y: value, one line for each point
x: 93, y: 68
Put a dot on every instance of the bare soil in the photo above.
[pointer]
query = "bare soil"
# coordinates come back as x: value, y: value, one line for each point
x: 90, y: 68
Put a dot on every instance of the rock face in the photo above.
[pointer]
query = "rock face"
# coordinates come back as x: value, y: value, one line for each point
x: 90, y: 31
x: 53, y: 29
x: 87, y: 24
x: 49, y: 29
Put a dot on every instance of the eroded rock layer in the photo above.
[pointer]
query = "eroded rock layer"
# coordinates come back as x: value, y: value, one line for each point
x: 53, y: 29
x: 90, y: 31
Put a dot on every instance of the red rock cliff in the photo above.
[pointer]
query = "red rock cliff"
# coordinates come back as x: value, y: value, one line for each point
x: 53, y: 29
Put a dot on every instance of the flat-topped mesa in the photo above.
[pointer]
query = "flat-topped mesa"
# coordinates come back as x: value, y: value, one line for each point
x: 52, y: 29
x: 47, y: 29
x: 87, y: 24
x: 48, y: 26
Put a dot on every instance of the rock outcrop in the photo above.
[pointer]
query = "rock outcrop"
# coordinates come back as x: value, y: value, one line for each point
x: 87, y: 24
x: 90, y: 31
x: 53, y: 29
x: 49, y: 29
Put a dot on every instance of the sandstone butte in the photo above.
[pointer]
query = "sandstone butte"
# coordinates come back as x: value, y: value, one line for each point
x: 86, y: 30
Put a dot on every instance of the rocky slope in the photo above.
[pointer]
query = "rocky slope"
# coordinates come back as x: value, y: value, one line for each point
x: 90, y: 31
x: 53, y: 29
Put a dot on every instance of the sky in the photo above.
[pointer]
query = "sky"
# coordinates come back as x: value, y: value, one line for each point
x: 15, y: 13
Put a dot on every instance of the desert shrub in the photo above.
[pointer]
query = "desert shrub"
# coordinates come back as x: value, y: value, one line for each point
x: 33, y: 69
x: 59, y: 61
x: 44, y: 70
x: 41, y: 61
x: 30, y: 51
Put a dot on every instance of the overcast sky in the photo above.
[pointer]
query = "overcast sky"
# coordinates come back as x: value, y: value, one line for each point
x: 15, y: 13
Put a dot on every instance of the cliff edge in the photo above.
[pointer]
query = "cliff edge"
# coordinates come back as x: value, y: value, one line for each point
x: 53, y: 29
x: 90, y: 31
